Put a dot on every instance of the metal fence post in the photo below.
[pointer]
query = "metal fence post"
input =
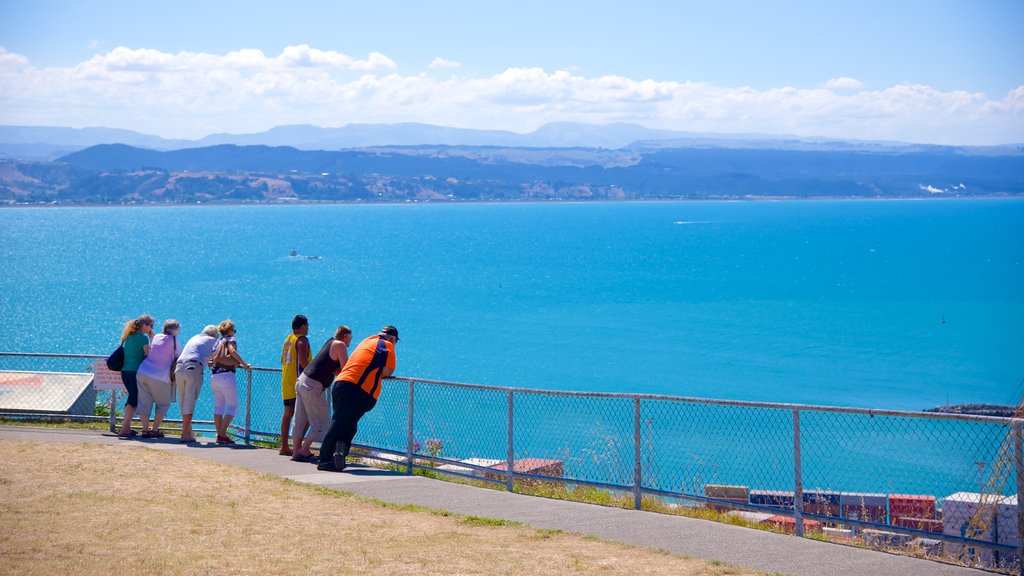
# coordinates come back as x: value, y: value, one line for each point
x: 638, y: 497
x: 408, y: 438
x: 798, y: 481
x: 509, y: 484
x: 113, y: 412
x: 248, y: 403
x: 1018, y: 453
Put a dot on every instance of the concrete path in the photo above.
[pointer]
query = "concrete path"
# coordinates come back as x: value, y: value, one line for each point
x: 686, y: 536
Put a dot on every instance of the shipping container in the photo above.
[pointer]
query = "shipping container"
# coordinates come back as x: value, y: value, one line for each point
x: 927, y: 524
x: 822, y: 502
x: 911, y: 506
x: 772, y: 498
x: 864, y: 506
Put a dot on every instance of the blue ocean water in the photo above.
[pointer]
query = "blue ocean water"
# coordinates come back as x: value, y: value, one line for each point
x: 890, y: 304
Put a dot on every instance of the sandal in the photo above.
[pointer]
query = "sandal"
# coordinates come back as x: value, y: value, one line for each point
x: 156, y: 434
x: 128, y: 434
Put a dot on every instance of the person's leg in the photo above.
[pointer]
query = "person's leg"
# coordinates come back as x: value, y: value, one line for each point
x: 330, y: 440
x: 353, y: 406
x: 163, y: 393
x: 145, y: 402
x: 362, y: 403
x: 300, y: 423
x: 219, y: 403
x: 131, y: 384
x: 319, y: 416
x: 286, y: 421
x: 181, y: 383
x: 231, y: 405
x: 188, y: 393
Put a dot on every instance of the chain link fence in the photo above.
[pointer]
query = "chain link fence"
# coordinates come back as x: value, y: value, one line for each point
x: 943, y: 486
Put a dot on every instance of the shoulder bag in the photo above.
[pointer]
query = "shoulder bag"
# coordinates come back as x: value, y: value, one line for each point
x: 115, y: 361
x: 223, y: 357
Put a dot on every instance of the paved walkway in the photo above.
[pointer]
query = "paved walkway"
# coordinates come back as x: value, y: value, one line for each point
x: 687, y: 536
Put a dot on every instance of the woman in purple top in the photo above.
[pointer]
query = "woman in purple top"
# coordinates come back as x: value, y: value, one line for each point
x: 156, y: 379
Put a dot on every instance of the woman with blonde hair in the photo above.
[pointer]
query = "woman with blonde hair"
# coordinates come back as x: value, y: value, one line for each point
x: 155, y: 378
x: 135, y: 341
x: 225, y: 390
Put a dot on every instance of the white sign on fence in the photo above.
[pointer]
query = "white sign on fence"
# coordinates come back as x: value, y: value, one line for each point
x: 104, y: 378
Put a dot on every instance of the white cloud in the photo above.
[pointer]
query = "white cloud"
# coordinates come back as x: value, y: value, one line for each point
x: 9, y: 61
x: 440, y: 62
x: 844, y: 83
x: 191, y: 94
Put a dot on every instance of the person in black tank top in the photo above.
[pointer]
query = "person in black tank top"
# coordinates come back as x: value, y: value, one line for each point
x: 310, y: 402
x: 323, y: 367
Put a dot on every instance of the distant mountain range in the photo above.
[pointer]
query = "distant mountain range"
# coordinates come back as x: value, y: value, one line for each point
x: 118, y: 173
x: 48, y: 143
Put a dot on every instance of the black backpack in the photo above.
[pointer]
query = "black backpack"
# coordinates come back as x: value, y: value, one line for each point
x: 116, y: 359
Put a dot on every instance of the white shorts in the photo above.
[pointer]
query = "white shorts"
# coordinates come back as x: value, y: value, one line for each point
x: 225, y: 394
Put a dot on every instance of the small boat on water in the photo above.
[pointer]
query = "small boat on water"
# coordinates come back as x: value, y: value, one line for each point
x: 296, y: 256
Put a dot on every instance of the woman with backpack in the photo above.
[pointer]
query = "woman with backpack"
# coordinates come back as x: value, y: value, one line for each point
x: 135, y: 341
x: 225, y: 390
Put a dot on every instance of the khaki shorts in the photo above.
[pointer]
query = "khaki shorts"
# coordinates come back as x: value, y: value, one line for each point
x: 188, y: 377
x: 311, y: 408
x: 153, y: 391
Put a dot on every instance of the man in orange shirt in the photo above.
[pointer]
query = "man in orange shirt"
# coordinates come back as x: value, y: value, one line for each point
x: 354, y: 393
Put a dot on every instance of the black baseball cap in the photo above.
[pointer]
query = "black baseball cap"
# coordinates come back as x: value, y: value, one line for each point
x: 390, y: 331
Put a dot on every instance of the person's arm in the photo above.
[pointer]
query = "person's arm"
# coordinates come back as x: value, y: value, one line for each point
x: 233, y: 352
x: 302, y: 352
x: 213, y: 352
x: 389, y: 368
x: 339, y: 352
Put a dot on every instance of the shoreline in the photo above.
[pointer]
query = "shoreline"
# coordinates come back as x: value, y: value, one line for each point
x: 746, y: 199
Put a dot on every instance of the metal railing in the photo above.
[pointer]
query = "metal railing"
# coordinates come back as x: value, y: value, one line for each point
x: 884, y: 477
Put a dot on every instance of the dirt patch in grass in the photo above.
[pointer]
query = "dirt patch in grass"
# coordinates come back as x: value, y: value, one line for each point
x: 93, y: 509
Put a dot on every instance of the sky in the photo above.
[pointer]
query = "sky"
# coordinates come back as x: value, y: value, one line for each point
x: 936, y: 71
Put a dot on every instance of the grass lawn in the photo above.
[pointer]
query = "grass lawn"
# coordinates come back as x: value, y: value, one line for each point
x: 89, y: 509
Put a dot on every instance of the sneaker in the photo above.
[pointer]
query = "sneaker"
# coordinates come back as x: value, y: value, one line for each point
x: 327, y: 467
